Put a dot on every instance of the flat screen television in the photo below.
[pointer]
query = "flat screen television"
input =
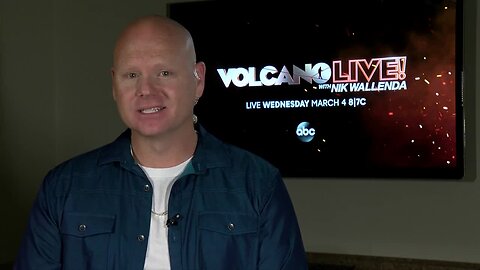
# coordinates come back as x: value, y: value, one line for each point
x: 367, y: 89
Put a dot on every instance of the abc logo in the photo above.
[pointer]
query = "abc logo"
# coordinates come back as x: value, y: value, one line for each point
x: 304, y: 132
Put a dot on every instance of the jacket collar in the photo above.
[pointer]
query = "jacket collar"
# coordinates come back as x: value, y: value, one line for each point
x: 210, y: 151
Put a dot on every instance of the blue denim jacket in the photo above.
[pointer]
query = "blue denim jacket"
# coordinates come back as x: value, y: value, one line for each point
x: 229, y: 210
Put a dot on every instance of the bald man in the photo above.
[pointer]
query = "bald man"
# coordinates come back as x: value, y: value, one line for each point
x: 166, y: 194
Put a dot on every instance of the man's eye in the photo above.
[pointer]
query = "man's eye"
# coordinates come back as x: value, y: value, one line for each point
x: 164, y: 73
x: 132, y: 75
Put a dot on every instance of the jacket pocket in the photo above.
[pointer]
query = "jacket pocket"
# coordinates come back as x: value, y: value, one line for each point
x: 86, y: 240
x: 227, y: 241
x: 84, y: 225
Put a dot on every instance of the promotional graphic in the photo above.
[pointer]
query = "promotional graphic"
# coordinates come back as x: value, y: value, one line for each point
x: 320, y: 90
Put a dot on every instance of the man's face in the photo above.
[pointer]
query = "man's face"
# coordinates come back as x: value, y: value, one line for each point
x: 154, y: 84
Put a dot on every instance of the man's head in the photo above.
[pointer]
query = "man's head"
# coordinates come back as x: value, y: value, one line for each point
x: 156, y: 80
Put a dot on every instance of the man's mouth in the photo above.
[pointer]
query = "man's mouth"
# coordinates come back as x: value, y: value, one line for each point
x: 151, y: 110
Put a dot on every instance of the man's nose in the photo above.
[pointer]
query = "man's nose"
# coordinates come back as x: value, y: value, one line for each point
x: 145, y: 86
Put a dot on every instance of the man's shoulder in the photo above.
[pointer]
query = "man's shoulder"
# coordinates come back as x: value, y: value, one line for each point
x: 254, y: 164
x: 240, y: 153
x: 92, y: 158
x: 82, y: 161
x: 237, y: 157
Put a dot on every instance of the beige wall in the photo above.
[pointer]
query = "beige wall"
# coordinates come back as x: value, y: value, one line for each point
x: 55, y: 102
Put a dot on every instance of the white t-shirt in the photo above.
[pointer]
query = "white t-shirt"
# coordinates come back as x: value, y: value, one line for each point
x: 162, y: 180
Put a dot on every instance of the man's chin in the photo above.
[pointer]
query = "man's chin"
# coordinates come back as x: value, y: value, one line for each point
x: 148, y: 132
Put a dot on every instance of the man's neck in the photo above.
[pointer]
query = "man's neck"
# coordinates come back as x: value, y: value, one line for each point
x: 163, y: 152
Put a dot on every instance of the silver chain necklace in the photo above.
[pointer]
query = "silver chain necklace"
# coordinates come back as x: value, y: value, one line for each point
x: 162, y: 214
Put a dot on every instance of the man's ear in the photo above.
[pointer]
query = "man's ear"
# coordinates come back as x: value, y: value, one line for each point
x: 199, y: 73
x: 114, y: 95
